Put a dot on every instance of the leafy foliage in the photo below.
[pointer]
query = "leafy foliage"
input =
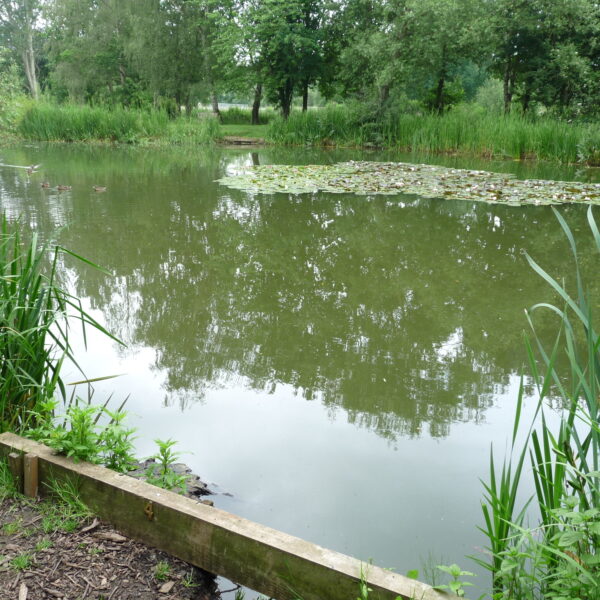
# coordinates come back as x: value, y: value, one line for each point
x: 81, y: 437
x: 162, y: 474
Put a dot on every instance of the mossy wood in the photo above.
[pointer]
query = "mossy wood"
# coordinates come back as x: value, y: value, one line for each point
x: 266, y: 560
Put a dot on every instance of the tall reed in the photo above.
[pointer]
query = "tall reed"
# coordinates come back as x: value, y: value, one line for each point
x: 465, y: 129
x: 235, y: 115
x: 35, y: 316
x: 193, y: 130
x: 72, y: 123
x: 560, y: 558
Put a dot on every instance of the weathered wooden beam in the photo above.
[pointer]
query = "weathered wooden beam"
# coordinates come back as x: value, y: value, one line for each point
x: 15, y: 466
x: 268, y: 561
x: 30, y: 475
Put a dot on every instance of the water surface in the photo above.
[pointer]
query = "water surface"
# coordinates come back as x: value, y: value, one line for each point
x: 339, y: 364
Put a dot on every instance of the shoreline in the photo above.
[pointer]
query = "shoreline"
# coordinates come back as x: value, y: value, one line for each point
x: 237, y: 143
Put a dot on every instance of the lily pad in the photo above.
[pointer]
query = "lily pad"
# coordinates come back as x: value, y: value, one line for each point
x: 428, y: 181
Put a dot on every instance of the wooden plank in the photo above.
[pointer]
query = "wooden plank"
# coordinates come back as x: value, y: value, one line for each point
x: 30, y: 475
x: 15, y: 466
x: 269, y: 561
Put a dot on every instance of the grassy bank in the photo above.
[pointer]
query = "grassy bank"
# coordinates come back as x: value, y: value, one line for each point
x: 80, y: 123
x: 466, y: 129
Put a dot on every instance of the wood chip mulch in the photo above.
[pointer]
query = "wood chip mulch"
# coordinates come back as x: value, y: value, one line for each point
x: 94, y: 562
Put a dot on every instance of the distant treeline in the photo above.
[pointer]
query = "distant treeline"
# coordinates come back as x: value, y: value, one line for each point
x: 390, y: 56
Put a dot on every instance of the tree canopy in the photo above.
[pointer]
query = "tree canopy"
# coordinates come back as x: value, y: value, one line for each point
x: 380, y: 53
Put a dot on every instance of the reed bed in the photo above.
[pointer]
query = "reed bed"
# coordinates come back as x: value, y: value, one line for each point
x: 192, y: 130
x: 35, y: 313
x: 243, y: 116
x: 81, y: 123
x: 466, y: 129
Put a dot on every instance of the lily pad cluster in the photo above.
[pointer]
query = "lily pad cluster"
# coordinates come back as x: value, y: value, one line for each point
x: 429, y: 181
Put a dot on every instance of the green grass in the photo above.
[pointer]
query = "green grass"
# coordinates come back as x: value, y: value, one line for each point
x: 21, y: 562
x: 192, y: 131
x: 251, y: 131
x: 64, y: 511
x: 243, y: 116
x: 44, y: 544
x: 162, y: 570
x: 80, y: 123
x: 466, y: 129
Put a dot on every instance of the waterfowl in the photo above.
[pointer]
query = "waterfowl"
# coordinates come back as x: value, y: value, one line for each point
x: 45, y: 184
x: 63, y: 188
x: 99, y: 188
x: 32, y: 168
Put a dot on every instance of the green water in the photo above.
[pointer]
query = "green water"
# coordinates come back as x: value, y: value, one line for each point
x: 339, y: 364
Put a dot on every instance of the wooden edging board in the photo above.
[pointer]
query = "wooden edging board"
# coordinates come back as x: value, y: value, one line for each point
x: 268, y: 561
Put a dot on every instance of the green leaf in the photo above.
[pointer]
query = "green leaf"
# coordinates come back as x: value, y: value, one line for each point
x: 570, y: 538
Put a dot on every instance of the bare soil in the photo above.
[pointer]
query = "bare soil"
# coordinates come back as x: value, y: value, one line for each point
x: 94, y: 562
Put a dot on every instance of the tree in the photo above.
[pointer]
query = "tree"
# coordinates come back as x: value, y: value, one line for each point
x: 290, y: 36
x: 10, y: 88
x: 18, y: 19
x: 87, y: 41
x: 545, y: 50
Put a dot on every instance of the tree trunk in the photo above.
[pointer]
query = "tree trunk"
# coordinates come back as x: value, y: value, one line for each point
x: 215, y: 103
x: 256, y: 104
x: 29, y: 65
x: 285, y: 98
x: 507, y: 89
x: 384, y: 93
x: 439, y: 94
x: 304, y: 97
x: 525, y: 99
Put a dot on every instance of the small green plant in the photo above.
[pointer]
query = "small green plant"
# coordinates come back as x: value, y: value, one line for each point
x: 8, y: 488
x: 12, y: 527
x: 162, y: 570
x: 117, y: 443
x: 363, y: 588
x: 161, y: 474
x: 66, y: 511
x: 457, y: 584
x: 81, y: 437
x: 44, y: 544
x: 188, y: 581
x: 21, y: 562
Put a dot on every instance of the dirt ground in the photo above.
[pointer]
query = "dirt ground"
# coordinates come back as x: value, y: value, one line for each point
x: 92, y: 561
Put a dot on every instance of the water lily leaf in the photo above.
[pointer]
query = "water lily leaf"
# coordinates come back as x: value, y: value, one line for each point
x: 429, y: 181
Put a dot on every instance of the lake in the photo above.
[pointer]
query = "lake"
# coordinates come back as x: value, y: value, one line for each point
x: 336, y: 365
